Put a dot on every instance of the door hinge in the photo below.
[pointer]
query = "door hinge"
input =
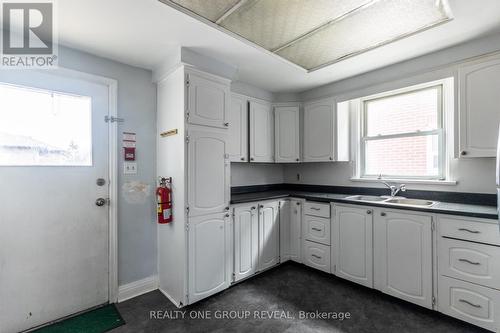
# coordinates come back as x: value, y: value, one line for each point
x: 433, y: 300
x: 187, y: 209
x: 234, y: 276
x: 433, y: 224
x: 111, y: 119
x: 187, y: 115
x: 187, y: 138
x: 187, y: 81
x: 187, y: 299
x: 187, y: 226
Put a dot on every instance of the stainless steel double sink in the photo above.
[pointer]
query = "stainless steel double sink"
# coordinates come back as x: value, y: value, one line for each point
x: 396, y: 201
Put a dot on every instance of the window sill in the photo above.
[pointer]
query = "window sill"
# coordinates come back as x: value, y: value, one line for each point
x: 406, y: 181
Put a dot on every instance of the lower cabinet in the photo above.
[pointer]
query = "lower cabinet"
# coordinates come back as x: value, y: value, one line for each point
x: 295, y: 230
x: 246, y: 241
x: 352, y: 246
x: 317, y: 256
x: 209, y: 255
x: 403, y: 256
x: 269, y: 254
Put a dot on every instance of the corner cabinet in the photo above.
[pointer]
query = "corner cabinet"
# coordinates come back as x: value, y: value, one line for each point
x: 319, y: 131
x: 209, y: 255
x: 208, y: 100
x: 479, y: 107
x: 287, y: 134
x: 238, y: 129
x: 261, y: 132
x: 402, y: 245
x: 352, y: 249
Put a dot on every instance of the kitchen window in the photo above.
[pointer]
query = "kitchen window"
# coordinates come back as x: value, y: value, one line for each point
x: 402, y: 133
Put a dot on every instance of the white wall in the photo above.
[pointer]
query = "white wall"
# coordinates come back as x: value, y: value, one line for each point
x: 244, y: 174
x: 473, y: 175
x: 137, y: 105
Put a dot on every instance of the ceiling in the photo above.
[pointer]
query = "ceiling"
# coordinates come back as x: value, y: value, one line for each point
x: 145, y: 33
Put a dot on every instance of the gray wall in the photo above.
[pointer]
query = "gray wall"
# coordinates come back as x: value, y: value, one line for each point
x: 137, y: 105
x: 473, y: 175
x: 243, y: 174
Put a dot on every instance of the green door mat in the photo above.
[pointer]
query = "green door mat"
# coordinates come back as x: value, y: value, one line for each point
x: 98, y: 320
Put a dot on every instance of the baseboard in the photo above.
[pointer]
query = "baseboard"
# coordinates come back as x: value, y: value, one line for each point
x: 137, y: 288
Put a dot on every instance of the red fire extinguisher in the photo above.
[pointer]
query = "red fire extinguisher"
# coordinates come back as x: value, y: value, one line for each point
x: 164, y: 201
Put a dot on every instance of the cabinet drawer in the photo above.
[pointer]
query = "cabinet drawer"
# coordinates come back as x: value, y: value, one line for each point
x: 317, y: 209
x: 477, y: 263
x: 469, y: 229
x: 469, y: 302
x: 317, y: 229
x: 317, y: 256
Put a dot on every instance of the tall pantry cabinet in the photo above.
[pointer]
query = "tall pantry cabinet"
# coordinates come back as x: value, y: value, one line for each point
x: 194, y: 251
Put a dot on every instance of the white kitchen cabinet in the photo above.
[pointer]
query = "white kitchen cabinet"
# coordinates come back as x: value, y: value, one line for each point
x: 287, y: 134
x: 246, y: 241
x: 479, y: 107
x: 269, y: 251
x: 316, y: 229
x: 317, y: 256
x: 352, y: 243
x: 208, y: 100
x: 209, y: 255
x: 403, y: 256
x: 261, y: 132
x: 290, y: 228
x: 238, y: 129
x: 319, y: 131
x: 208, y: 172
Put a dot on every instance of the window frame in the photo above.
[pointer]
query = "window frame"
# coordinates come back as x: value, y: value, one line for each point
x: 440, y: 132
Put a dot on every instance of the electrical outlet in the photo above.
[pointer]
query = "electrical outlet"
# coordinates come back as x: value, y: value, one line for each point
x: 129, y: 168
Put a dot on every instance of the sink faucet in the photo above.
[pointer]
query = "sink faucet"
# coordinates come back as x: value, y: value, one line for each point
x: 395, y: 188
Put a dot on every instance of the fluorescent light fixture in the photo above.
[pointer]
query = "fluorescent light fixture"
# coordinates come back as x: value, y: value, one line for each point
x: 315, y: 33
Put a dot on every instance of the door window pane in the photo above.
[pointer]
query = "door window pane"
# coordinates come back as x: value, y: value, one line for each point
x: 416, y: 156
x: 404, y: 113
x: 41, y: 127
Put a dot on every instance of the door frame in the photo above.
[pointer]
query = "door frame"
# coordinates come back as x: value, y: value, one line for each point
x: 112, y: 86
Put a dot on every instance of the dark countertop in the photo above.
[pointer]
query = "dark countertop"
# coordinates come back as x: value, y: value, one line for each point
x: 480, y: 211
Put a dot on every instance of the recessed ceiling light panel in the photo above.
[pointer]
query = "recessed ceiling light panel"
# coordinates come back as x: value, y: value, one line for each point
x: 315, y: 33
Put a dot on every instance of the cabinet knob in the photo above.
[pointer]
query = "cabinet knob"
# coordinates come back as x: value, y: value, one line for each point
x: 331, y: 158
x: 261, y: 206
x: 253, y: 207
x: 383, y: 214
x: 463, y: 153
x: 242, y: 158
x: 297, y: 159
x: 227, y: 208
x: 227, y: 215
x: 226, y: 124
x: 298, y: 203
x: 368, y: 212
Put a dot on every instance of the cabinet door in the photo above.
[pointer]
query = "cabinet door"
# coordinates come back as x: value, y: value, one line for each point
x: 208, y: 173
x: 317, y: 256
x: 403, y: 256
x: 261, y: 132
x: 295, y: 229
x: 287, y: 134
x: 352, y: 244
x: 209, y: 255
x: 238, y: 130
x: 268, y: 235
x: 319, y: 131
x: 284, y: 218
x: 208, y: 101
x: 246, y: 241
x: 479, y: 108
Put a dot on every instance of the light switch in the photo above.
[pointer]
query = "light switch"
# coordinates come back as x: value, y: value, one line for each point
x: 130, y: 168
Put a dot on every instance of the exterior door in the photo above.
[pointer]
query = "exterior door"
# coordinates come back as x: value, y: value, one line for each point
x: 261, y: 132
x: 287, y: 134
x: 208, y: 100
x: 352, y: 244
x: 246, y: 241
x: 268, y: 235
x: 403, y: 256
x: 238, y: 130
x: 53, y: 237
x: 208, y: 168
x: 209, y: 255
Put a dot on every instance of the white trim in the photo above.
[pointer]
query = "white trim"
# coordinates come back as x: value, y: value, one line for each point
x: 137, y: 288
x: 405, y: 181
x: 112, y: 86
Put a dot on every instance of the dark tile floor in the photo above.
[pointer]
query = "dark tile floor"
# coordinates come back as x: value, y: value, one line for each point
x: 290, y: 288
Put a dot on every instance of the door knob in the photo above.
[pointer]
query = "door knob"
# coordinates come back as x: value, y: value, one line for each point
x: 100, y: 202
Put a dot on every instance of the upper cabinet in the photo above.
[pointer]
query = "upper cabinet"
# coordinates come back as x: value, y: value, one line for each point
x: 319, y: 131
x: 261, y: 132
x: 287, y: 134
x: 479, y: 107
x: 208, y: 100
x: 238, y: 129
